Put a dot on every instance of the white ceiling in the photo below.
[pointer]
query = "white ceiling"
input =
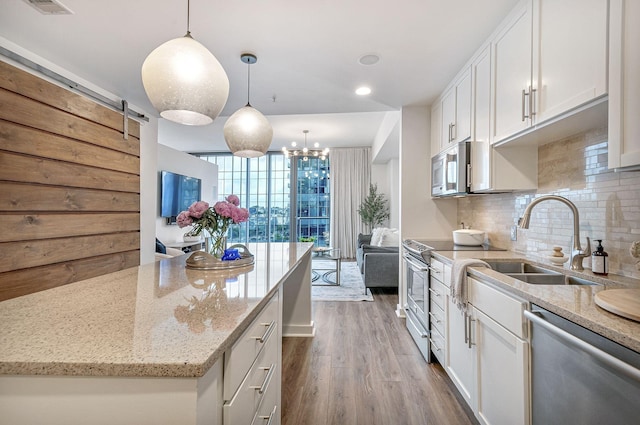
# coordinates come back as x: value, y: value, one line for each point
x: 307, y: 50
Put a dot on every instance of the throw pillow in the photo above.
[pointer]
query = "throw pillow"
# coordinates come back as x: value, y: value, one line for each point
x: 376, y: 236
x: 390, y: 237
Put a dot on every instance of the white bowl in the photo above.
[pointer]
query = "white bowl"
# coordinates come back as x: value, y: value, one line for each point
x: 468, y: 237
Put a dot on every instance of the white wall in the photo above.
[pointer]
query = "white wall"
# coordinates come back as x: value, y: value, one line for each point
x: 393, y: 177
x: 421, y: 217
x: 169, y: 159
x: 148, y: 196
x: 387, y: 177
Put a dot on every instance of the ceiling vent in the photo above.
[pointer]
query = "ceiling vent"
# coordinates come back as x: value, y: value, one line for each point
x: 49, y: 7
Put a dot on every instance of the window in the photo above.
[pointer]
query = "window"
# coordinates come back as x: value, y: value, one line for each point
x: 264, y: 187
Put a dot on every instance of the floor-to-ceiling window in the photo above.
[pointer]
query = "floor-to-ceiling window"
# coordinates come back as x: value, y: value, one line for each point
x: 264, y: 186
x: 313, y: 199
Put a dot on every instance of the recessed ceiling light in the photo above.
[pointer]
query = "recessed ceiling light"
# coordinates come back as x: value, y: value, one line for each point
x: 369, y: 59
x: 363, y: 91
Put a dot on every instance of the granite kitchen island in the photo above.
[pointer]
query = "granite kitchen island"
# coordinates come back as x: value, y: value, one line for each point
x: 151, y: 344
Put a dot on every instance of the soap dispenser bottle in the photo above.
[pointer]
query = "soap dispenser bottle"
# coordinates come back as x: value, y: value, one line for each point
x: 599, y: 260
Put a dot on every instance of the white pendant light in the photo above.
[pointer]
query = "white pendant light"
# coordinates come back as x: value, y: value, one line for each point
x: 247, y: 132
x: 184, y: 81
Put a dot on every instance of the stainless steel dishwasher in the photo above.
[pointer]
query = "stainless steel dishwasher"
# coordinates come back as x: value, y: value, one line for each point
x: 580, y: 377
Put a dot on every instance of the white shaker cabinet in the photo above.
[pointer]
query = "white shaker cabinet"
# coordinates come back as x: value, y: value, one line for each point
x: 503, y: 169
x: 501, y: 373
x: 436, y: 128
x: 624, y: 84
x: 569, y: 55
x: 550, y: 61
x: 456, y: 111
x: 512, y: 74
x: 488, y: 355
x: 460, y: 357
x: 451, y: 114
x: 501, y: 361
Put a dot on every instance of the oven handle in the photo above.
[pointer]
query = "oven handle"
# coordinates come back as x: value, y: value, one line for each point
x: 417, y: 323
x: 606, y: 358
x: 414, y: 264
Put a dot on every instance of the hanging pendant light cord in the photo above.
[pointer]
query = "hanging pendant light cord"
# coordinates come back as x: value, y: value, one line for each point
x: 188, y: 23
x: 248, y: 82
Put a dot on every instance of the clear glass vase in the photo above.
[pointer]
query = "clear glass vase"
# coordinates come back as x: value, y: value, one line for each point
x: 216, y: 244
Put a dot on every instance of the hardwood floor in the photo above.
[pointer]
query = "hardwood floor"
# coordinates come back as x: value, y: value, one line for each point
x: 363, y: 368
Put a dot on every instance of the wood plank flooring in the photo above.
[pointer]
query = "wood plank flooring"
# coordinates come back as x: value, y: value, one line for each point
x: 363, y: 368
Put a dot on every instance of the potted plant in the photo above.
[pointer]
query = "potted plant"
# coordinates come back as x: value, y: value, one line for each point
x: 374, y: 210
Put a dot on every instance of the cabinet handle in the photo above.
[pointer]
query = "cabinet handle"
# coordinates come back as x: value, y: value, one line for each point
x: 434, y: 271
x: 262, y: 388
x: 466, y: 328
x: 524, y: 95
x: 433, y: 343
x: 435, y: 294
x: 271, y: 415
x: 265, y: 335
x: 434, y: 317
x: 453, y: 131
x: 470, y: 343
x: 469, y: 181
x: 532, y: 111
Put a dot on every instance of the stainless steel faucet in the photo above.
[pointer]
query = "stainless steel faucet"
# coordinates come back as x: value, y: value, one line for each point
x: 577, y: 254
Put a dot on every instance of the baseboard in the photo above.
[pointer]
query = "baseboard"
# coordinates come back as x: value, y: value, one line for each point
x: 299, y: 330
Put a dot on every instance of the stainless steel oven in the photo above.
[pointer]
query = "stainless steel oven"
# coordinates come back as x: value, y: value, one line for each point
x: 417, y: 291
x: 416, y: 258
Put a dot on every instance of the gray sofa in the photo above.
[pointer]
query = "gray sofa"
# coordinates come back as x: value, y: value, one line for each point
x: 379, y: 265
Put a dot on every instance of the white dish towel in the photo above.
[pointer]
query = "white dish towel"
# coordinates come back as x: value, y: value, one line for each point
x: 459, y: 280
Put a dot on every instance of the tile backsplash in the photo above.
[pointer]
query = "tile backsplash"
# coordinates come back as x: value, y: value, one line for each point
x: 576, y: 168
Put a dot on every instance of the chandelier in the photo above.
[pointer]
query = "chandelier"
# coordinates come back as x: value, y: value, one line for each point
x: 306, y: 152
x: 184, y: 81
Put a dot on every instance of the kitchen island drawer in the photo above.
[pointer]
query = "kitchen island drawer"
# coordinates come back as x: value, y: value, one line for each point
x: 243, y: 353
x: 242, y: 408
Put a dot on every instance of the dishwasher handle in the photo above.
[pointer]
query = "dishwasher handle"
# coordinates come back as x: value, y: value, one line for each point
x: 606, y: 358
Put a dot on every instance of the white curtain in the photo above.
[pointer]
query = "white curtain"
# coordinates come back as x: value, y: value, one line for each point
x: 350, y: 177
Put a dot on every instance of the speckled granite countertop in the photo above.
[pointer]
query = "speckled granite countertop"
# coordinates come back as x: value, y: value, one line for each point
x: 158, y: 319
x: 573, y: 302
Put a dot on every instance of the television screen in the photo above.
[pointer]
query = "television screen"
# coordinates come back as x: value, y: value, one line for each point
x: 177, y: 192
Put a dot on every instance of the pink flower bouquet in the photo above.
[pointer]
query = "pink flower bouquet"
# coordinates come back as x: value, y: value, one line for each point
x: 215, y: 220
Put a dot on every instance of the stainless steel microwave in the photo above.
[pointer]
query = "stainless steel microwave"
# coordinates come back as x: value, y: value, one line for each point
x: 451, y: 171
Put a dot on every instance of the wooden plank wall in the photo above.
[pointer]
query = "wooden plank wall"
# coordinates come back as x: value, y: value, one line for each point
x: 69, y: 186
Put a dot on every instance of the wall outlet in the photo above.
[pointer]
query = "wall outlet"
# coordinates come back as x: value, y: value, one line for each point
x: 514, y: 233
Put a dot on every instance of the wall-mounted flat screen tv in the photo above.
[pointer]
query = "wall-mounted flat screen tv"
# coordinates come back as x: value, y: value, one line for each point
x: 177, y: 192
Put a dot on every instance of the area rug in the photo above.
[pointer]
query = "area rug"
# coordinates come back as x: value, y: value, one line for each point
x: 351, y: 285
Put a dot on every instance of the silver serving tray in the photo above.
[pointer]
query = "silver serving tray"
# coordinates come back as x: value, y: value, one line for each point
x: 201, y: 260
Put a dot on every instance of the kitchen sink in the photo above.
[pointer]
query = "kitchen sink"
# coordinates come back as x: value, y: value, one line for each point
x: 536, y: 275
x: 550, y: 279
x: 520, y: 268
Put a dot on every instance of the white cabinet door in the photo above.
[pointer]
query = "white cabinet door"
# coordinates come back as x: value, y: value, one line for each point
x: 503, y: 169
x: 460, y: 359
x: 502, y: 362
x: 481, y: 144
x: 448, y: 118
x: 570, y: 55
x: 456, y: 111
x: 511, y: 50
x: 462, y: 130
x: 624, y: 84
x: 436, y: 128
